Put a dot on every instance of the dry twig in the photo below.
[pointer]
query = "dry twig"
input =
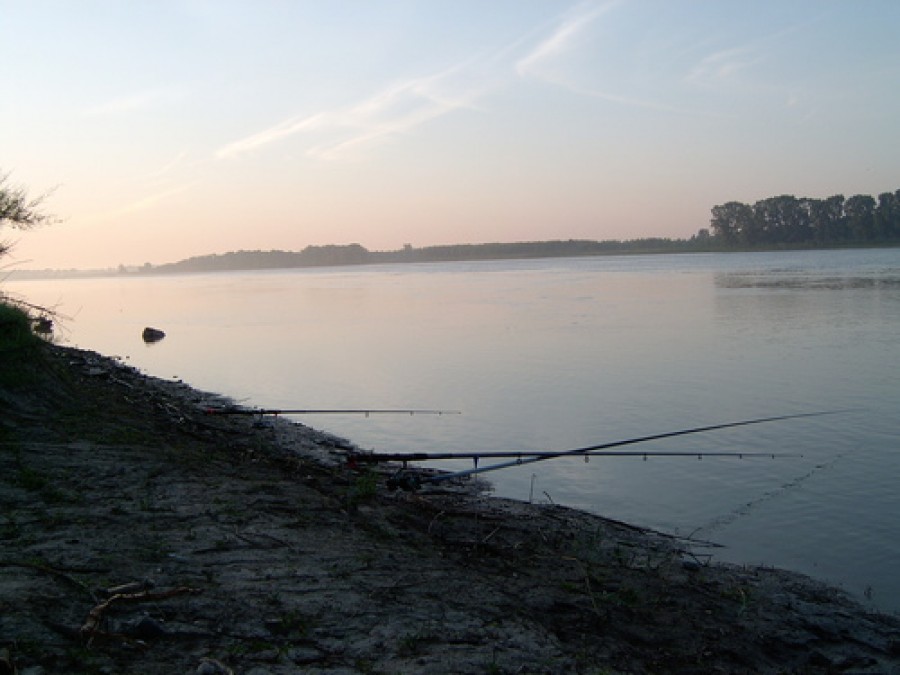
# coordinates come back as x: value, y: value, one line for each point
x: 91, y: 626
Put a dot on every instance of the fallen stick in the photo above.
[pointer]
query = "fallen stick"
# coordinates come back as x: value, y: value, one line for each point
x: 91, y: 626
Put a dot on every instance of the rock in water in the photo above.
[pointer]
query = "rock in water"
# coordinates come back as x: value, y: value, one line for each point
x: 151, y: 335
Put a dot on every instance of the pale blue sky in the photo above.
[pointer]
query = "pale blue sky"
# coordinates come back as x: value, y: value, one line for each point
x: 182, y: 127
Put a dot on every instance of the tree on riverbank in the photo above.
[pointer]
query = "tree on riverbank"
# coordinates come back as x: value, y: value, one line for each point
x: 791, y: 221
x: 20, y: 320
x: 18, y: 210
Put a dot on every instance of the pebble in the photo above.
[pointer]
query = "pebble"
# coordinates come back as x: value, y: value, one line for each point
x: 213, y: 667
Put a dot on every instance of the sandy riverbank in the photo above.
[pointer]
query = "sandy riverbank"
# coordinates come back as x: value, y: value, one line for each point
x: 139, y: 535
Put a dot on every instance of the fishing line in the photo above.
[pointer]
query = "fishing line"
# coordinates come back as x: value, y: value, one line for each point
x: 745, y: 509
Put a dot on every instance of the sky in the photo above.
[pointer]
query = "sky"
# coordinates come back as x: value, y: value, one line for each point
x: 164, y: 129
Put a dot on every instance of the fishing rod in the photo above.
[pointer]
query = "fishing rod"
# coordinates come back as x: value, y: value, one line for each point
x: 411, y: 482
x: 375, y: 457
x: 325, y: 411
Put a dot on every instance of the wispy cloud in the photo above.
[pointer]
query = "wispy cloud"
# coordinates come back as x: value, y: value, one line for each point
x: 633, y: 101
x: 281, y: 130
x: 345, y: 132
x: 168, y: 167
x: 143, y: 203
x: 563, y: 38
x: 567, y: 58
x: 152, y: 200
x: 722, y: 65
x: 395, y: 110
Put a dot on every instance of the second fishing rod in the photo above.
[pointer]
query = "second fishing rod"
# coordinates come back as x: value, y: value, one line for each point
x: 410, y: 480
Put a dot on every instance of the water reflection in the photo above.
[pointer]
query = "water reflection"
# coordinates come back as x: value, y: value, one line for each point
x: 811, y: 281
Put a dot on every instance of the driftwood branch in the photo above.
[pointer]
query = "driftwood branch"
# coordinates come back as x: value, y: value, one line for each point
x: 91, y: 626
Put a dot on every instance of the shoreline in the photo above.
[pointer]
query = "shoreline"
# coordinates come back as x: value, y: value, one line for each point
x: 178, y: 268
x: 140, y: 535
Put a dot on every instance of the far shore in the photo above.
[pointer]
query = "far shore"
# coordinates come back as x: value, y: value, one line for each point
x: 248, y: 261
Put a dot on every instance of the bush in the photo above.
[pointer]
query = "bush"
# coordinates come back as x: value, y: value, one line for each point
x: 16, y: 332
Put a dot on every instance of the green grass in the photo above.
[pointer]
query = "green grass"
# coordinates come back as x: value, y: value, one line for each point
x: 364, y: 488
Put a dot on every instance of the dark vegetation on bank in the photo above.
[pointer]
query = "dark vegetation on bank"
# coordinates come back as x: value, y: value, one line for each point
x: 860, y: 220
x: 16, y: 331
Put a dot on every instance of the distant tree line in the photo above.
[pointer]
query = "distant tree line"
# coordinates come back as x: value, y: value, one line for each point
x: 355, y: 254
x: 528, y: 249
x: 808, y: 222
x: 776, y: 222
x: 311, y: 256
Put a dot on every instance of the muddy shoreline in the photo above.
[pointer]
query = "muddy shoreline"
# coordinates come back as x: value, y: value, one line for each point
x: 139, y: 535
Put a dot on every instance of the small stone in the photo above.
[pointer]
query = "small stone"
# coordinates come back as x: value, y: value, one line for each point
x: 213, y: 667
x: 151, y: 335
x: 818, y: 660
x: 304, y: 655
x: 148, y: 627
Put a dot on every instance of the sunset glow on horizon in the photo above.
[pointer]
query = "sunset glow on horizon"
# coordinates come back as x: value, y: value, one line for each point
x: 173, y: 128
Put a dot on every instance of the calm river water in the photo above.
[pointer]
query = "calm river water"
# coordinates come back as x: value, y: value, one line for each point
x: 562, y: 353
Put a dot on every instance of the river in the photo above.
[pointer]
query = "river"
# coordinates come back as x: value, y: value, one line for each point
x: 560, y: 353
